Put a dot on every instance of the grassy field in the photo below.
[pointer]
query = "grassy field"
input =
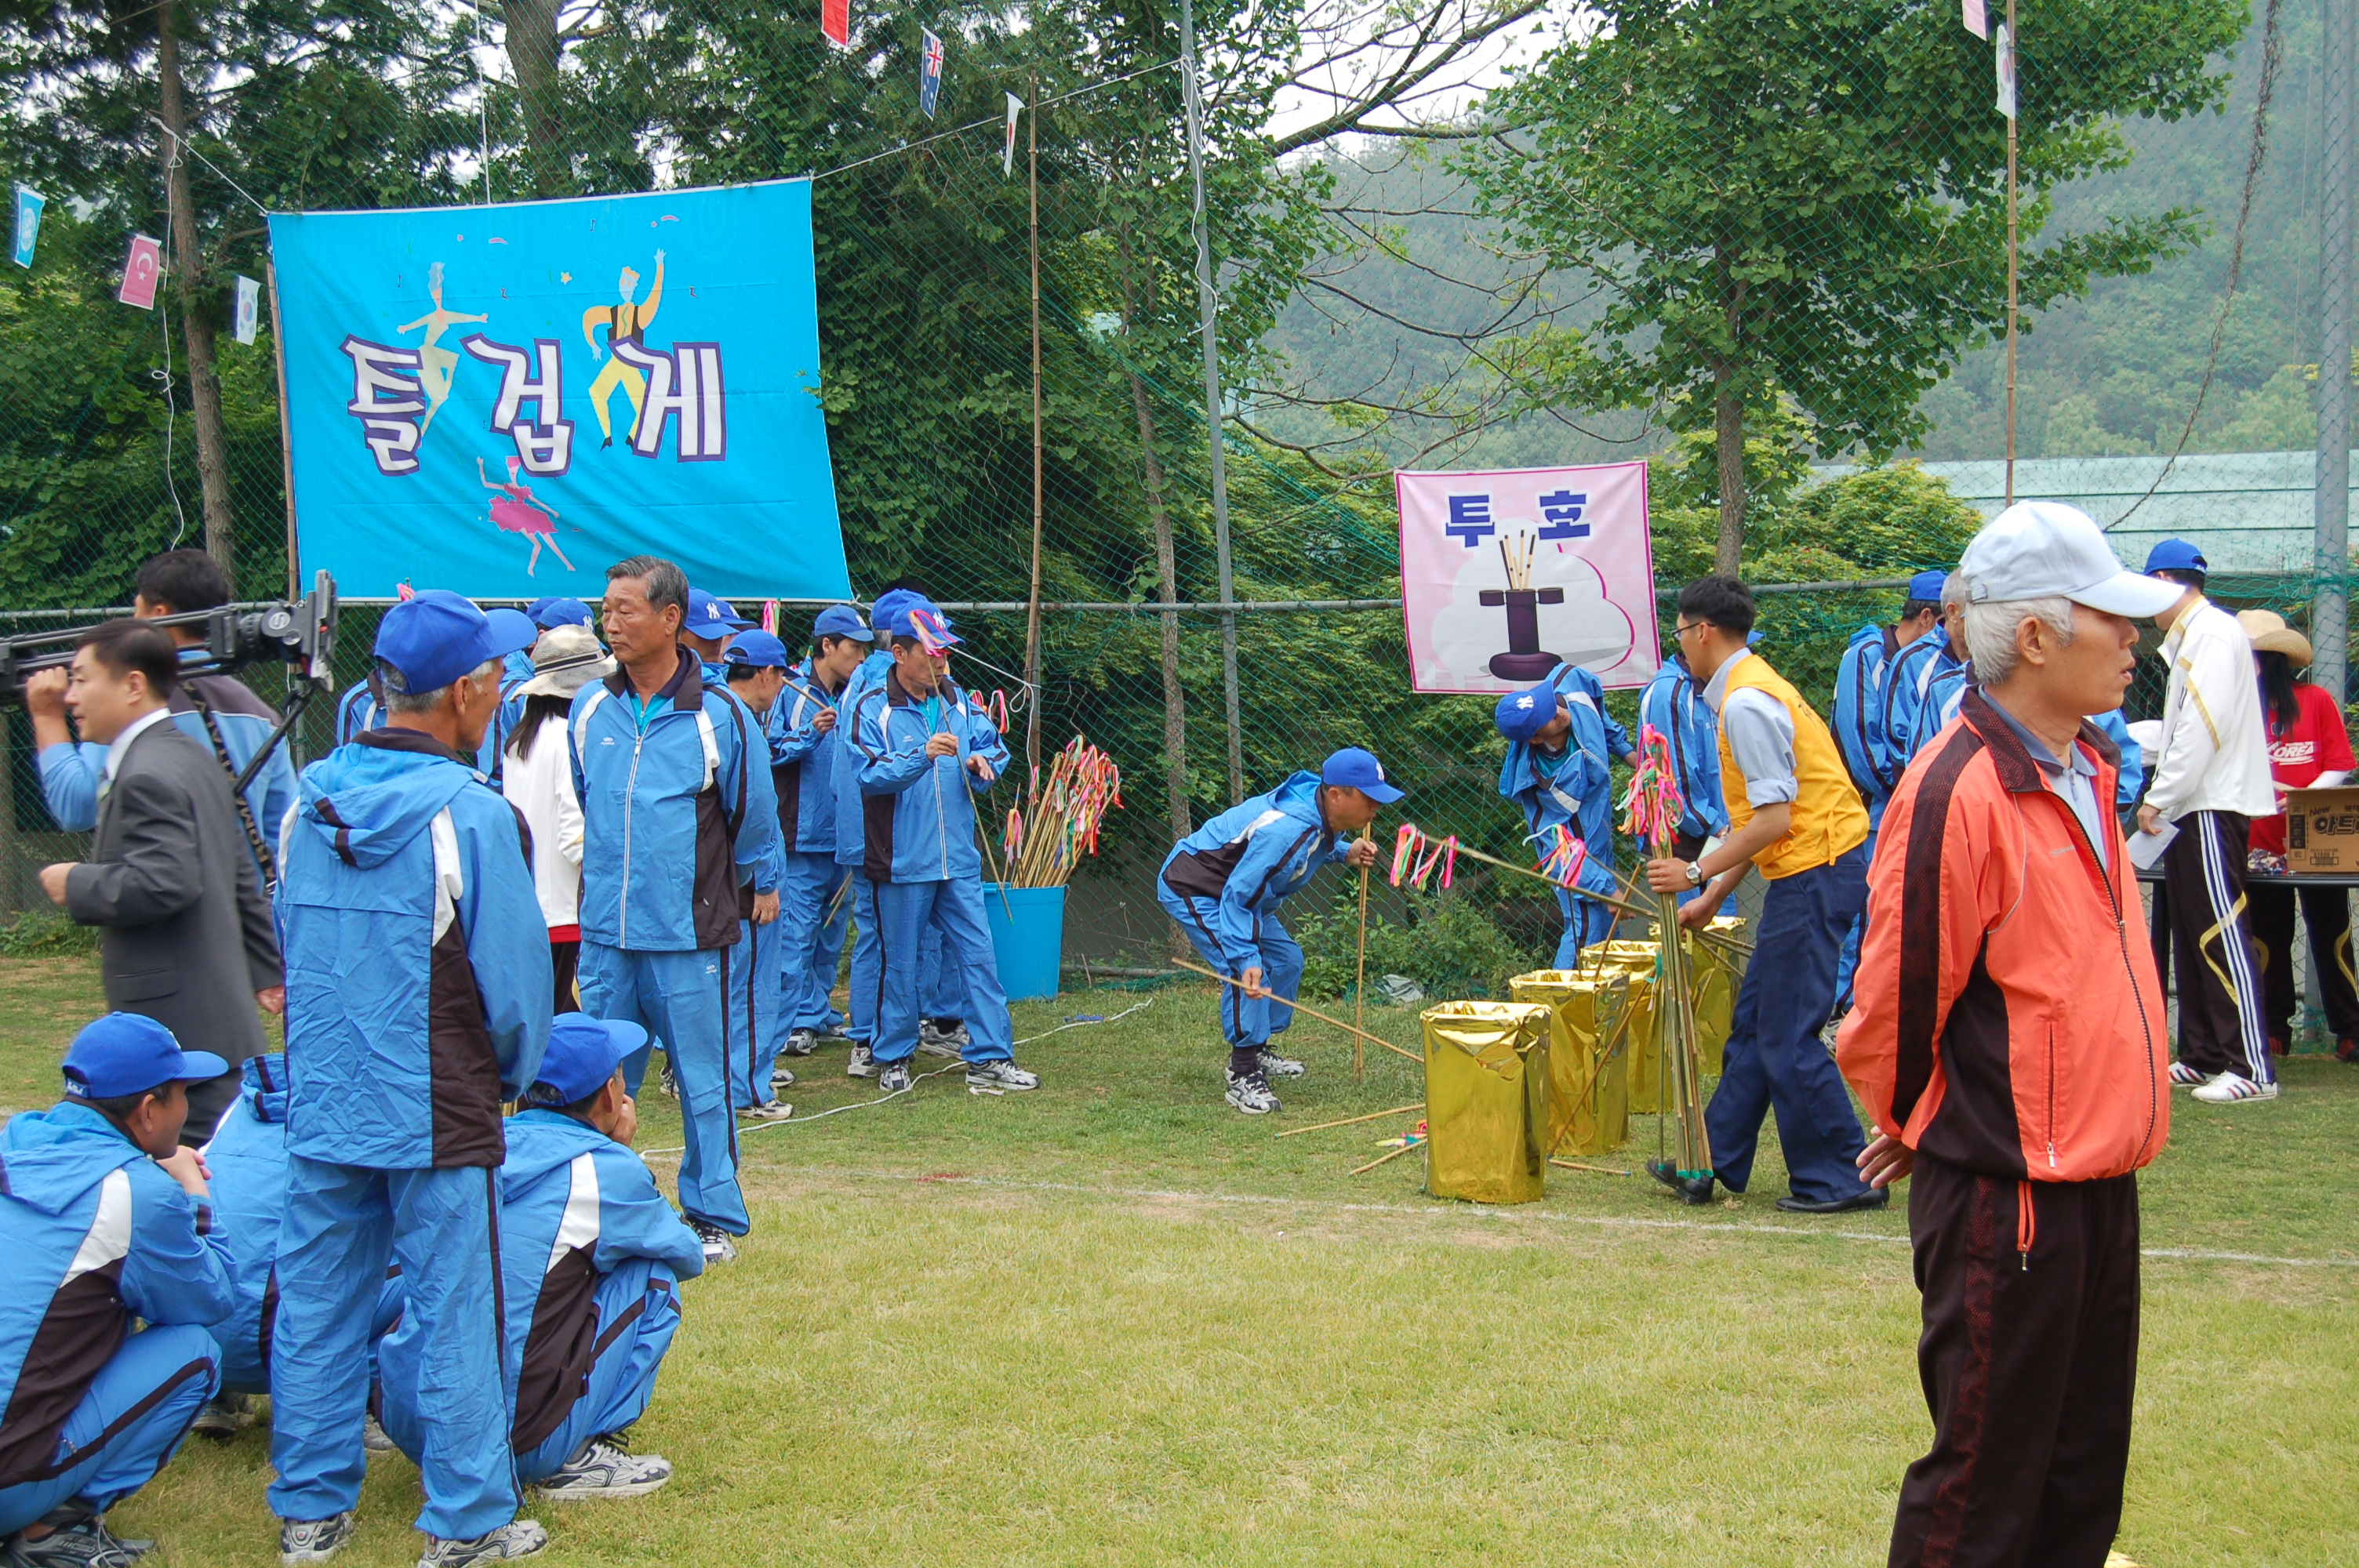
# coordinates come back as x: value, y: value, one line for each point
x: 1113, y: 1323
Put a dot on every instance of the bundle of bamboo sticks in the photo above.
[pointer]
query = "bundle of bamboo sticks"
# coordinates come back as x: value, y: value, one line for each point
x: 1058, y: 825
x: 1516, y: 555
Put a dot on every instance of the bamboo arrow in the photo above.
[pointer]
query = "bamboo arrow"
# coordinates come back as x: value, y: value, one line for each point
x: 1308, y: 1011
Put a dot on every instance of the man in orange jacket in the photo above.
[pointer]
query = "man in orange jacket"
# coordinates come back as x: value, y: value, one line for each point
x: 2009, y: 1040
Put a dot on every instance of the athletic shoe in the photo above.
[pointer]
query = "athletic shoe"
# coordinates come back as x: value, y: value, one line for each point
x: 832, y: 1031
x: 517, y: 1537
x: 863, y: 1063
x: 936, y: 1040
x: 315, y: 1540
x: 373, y: 1436
x: 670, y: 1083
x: 223, y: 1416
x: 1875, y: 1197
x: 1274, y: 1066
x: 2184, y: 1076
x: 77, y: 1539
x: 780, y: 1078
x: 768, y: 1110
x: 892, y: 1077
x: 998, y: 1078
x: 2234, y: 1088
x: 801, y: 1043
x: 720, y: 1246
x: 599, y: 1468
x: 1250, y: 1094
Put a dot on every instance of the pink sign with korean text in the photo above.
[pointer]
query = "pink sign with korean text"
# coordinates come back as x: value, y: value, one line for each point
x: 1505, y: 572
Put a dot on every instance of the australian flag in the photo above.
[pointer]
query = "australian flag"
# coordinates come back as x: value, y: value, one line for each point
x: 930, y: 72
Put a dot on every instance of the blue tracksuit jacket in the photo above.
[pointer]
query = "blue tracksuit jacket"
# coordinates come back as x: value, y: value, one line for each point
x: 1579, y: 792
x: 678, y: 813
x: 850, y: 845
x: 803, y: 760
x: 70, y: 773
x: 1859, y: 717
x: 916, y: 813
x: 360, y: 710
x: 96, y: 1237
x: 1251, y: 858
x: 1908, y: 722
x: 1673, y: 703
x: 417, y: 969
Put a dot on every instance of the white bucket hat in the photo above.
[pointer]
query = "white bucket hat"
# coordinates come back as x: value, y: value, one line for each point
x: 566, y: 659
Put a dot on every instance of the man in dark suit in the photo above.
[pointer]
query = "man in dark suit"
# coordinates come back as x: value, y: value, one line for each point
x: 186, y: 933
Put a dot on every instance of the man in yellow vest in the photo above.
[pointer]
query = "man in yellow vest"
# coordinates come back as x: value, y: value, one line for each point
x: 1793, y: 812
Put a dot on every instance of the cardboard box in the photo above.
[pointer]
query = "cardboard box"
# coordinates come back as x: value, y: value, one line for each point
x: 2322, y: 830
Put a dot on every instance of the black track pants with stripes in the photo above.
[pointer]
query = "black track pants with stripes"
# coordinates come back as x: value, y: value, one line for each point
x: 2218, y: 973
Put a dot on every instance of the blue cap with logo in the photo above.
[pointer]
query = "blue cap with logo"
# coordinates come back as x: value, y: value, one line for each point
x: 756, y: 650
x: 1359, y: 769
x: 1522, y: 715
x: 1927, y: 586
x: 437, y: 636
x: 2176, y: 555
x: 840, y: 621
x: 129, y: 1054
x: 551, y: 613
x: 711, y: 617
x: 921, y: 618
x: 584, y: 1053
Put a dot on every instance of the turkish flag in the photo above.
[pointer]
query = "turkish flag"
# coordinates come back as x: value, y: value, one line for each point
x: 835, y: 21
x: 140, y: 270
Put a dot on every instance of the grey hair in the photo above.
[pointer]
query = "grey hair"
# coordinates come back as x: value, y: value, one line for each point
x: 1953, y: 590
x: 1990, y: 630
x: 399, y: 698
x: 661, y: 581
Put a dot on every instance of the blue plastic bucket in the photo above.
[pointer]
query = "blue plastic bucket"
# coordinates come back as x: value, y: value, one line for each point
x: 1027, y: 938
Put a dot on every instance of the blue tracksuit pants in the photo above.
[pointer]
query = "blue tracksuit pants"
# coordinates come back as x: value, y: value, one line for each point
x: 754, y: 1008
x: 1585, y: 921
x: 813, y: 908
x: 677, y: 998
x: 901, y: 914
x: 1849, y: 962
x: 246, y: 1349
x: 172, y: 1366
x: 621, y: 1382
x: 343, y: 1224
x: 942, y: 989
x: 1775, y: 1059
x: 1244, y: 1019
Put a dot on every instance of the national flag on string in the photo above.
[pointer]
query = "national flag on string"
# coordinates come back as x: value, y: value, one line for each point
x: 141, y: 268
x: 929, y: 71
x: 1976, y: 18
x: 835, y: 22
x: 1008, y: 154
x: 2004, y: 57
x: 28, y: 223
x: 248, y: 310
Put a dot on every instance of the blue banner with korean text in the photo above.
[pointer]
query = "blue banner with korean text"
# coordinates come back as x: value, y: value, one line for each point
x: 506, y: 400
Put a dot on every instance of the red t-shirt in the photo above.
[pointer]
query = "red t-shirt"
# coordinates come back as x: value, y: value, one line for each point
x: 2316, y: 743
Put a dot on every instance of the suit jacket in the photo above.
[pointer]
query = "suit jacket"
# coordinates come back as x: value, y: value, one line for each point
x: 186, y: 936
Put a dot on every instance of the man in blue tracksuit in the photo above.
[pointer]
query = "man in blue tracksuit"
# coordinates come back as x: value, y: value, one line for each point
x: 678, y: 813
x: 1932, y: 661
x: 1562, y: 745
x: 1673, y: 704
x: 104, y: 1222
x: 756, y: 663
x: 920, y: 765
x: 1863, y: 704
x: 418, y: 999
x: 707, y: 629
x: 363, y: 707
x: 591, y: 1258
x: 806, y: 734
x: 1224, y: 884
x: 220, y: 712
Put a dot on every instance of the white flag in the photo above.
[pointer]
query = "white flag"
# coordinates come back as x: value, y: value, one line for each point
x: 1977, y: 20
x: 1008, y: 154
x: 249, y: 306
x: 2004, y: 56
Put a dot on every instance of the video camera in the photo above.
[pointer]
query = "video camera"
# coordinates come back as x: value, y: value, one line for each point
x: 303, y: 634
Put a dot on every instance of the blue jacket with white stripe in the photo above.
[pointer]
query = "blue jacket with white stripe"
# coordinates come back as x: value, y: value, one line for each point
x: 1580, y: 794
x: 1859, y: 715
x: 916, y: 813
x: 803, y: 760
x: 1251, y: 858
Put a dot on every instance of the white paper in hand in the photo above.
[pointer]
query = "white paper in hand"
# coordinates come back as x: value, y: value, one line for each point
x: 2145, y: 849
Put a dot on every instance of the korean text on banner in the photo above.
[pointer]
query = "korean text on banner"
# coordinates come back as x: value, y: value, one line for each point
x: 505, y: 400
x: 1505, y: 573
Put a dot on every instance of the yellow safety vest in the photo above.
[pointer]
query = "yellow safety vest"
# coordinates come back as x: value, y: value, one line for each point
x: 1828, y: 820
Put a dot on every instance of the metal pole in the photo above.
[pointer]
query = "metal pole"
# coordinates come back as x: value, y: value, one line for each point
x: 2015, y: 43
x: 1208, y: 308
x: 2331, y: 560
x: 285, y: 436
x: 1032, y: 619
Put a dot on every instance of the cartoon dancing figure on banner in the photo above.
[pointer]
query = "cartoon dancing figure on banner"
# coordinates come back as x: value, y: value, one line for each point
x: 518, y: 511
x: 435, y: 363
x: 624, y: 323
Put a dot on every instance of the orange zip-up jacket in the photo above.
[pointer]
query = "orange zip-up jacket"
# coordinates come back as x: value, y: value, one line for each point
x: 2007, y: 1019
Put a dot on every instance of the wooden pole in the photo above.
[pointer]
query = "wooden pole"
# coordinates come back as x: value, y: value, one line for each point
x: 1360, y: 986
x: 286, y: 436
x: 1032, y: 610
x: 1307, y: 1012
x: 2014, y: 46
x: 1355, y: 1120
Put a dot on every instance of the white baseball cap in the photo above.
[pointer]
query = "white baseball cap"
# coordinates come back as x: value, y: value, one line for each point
x: 2045, y: 549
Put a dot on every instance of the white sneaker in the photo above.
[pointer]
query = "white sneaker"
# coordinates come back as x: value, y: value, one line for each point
x: 935, y: 1041
x: 2233, y: 1088
x: 801, y: 1041
x: 601, y: 1469
x: 863, y: 1063
x: 998, y: 1078
x: 2184, y: 1076
x: 1251, y: 1094
x: 720, y: 1246
x: 517, y: 1537
x: 373, y: 1437
x: 768, y: 1110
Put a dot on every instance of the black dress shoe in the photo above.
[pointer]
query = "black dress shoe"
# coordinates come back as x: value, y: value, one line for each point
x: 1875, y: 1197
x: 1695, y: 1190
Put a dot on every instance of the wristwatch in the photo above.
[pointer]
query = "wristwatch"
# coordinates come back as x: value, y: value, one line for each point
x: 1695, y: 873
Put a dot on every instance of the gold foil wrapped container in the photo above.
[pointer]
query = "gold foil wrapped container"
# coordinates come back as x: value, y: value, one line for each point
x: 1487, y: 1100
x: 1635, y: 961
x: 1588, y: 1100
x: 1717, y: 973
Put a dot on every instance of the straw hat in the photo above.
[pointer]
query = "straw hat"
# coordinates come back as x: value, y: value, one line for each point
x: 2269, y: 635
x: 566, y: 659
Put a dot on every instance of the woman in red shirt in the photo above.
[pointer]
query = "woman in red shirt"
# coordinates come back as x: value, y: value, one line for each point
x: 2309, y: 748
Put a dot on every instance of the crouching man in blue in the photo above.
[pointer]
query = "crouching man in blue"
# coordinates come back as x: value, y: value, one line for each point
x: 1561, y: 749
x: 1224, y: 882
x: 417, y: 993
x: 104, y: 1224
x: 924, y: 753
x: 592, y: 1255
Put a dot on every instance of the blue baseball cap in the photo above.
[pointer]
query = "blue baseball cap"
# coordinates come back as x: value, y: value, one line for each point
x: 758, y: 650
x: 2176, y: 555
x: 129, y: 1054
x: 711, y: 617
x: 1522, y: 715
x: 584, y: 1053
x: 437, y: 636
x: 1927, y: 586
x: 840, y: 621
x: 1359, y: 769
x: 549, y: 613
x: 891, y: 603
x: 903, y: 621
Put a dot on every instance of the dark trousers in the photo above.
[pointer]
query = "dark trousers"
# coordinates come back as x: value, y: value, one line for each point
x: 2220, y: 1026
x: 2029, y: 1360
x: 565, y: 963
x: 1775, y: 1059
x: 2327, y: 913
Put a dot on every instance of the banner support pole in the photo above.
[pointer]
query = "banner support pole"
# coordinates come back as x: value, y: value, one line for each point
x: 286, y: 435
